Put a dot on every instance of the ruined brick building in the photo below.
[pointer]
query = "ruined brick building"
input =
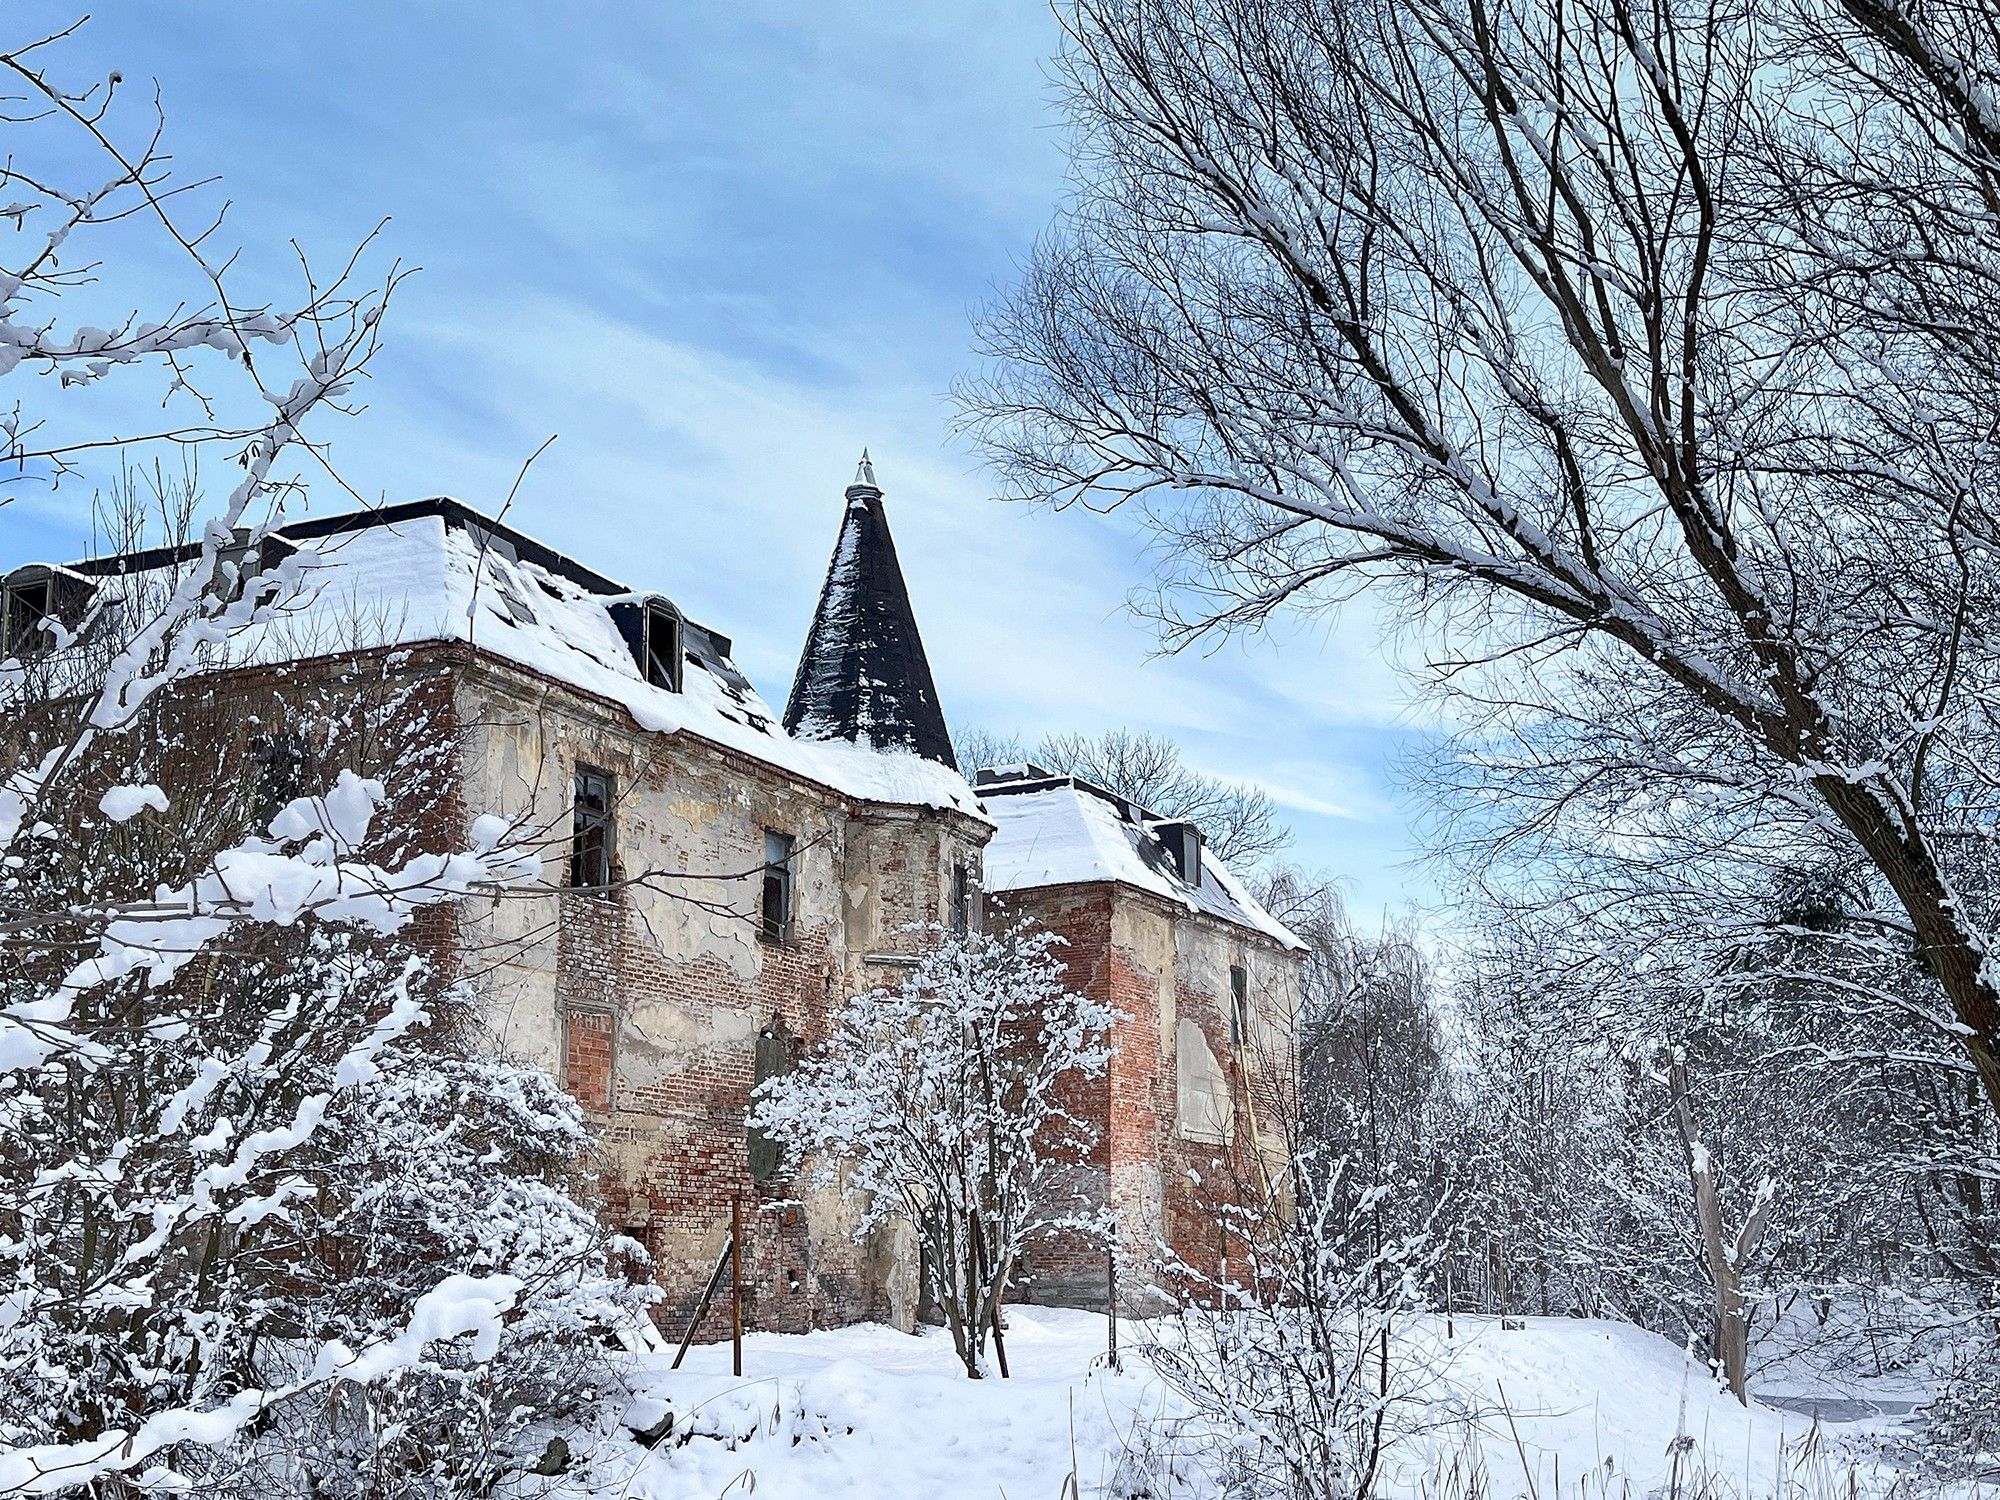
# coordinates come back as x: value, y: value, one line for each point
x: 719, y: 876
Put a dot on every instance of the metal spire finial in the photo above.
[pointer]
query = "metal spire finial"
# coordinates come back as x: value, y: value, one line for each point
x: 864, y: 475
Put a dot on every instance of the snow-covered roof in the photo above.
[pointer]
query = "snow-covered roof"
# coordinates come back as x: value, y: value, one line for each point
x: 1064, y: 830
x: 436, y: 571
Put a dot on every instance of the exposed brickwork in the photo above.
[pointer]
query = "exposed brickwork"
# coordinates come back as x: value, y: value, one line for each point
x: 647, y: 1002
x: 661, y: 988
x: 587, y: 1058
x: 1160, y: 967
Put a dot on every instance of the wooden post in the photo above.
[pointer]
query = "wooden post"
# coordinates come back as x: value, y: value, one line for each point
x: 736, y: 1283
x: 999, y: 1343
x: 722, y: 1262
x: 1111, y: 1302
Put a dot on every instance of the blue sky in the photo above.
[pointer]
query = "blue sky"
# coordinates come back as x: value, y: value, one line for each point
x: 716, y: 250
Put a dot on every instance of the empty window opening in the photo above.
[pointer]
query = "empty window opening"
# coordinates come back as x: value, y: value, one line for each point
x: 1239, y: 1005
x: 238, y: 565
x: 775, y: 911
x: 26, y: 602
x: 663, y: 659
x: 590, y: 837
x: 1182, y: 842
x: 31, y: 594
x: 282, y: 761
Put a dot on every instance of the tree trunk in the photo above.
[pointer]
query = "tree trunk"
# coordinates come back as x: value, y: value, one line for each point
x: 1950, y: 949
x: 1724, y: 1260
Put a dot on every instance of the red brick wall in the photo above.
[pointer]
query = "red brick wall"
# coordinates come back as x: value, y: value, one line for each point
x: 1162, y: 1186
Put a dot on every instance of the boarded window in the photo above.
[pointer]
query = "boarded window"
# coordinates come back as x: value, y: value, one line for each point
x: 1239, y: 1005
x: 775, y: 909
x: 591, y: 832
x: 774, y: 1060
x: 1203, y: 1110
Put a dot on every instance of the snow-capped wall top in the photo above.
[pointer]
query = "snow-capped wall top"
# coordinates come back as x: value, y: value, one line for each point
x: 435, y: 570
x: 1064, y: 830
x: 863, y: 678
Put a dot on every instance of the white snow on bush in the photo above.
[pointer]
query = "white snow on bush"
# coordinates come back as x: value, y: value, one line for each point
x: 123, y: 803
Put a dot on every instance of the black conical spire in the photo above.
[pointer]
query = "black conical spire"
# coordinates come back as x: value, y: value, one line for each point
x: 863, y: 676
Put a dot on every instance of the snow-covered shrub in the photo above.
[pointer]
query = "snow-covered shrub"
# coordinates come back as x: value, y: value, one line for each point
x: 269, y: 1148
x: 247, y: 1172
x: 1961, y: 1429
x: 1294, y: 1374
x: 461, y: 1165
x: 949, y: 1102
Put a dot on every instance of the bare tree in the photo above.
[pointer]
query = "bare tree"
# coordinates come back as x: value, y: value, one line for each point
x: 1646, y: 349
x: 216, y: 1021
x: 1237, y: 819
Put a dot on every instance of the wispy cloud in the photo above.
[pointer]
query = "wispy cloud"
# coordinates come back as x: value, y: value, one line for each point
x: 717, y: 250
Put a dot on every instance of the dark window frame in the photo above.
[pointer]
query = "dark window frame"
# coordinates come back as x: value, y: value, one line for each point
x: 593, y: 830
x: 777, y: 890
x: 664, y: 660
x: 20, y: 622
x: 284, y: 762
x: 1239, y: 1005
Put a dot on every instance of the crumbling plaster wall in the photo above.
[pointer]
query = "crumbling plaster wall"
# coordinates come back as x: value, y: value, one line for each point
x: 648, y: 1003
x: 1167, y: 971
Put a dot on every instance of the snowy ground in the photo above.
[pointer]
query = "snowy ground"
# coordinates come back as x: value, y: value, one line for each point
x: 866, y: 1413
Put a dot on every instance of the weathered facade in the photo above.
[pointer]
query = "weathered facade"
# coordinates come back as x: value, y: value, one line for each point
x: 1207, y: 984
x: 716, y: 880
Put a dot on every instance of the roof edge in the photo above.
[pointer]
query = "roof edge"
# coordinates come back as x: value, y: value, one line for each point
x: 310, y: 528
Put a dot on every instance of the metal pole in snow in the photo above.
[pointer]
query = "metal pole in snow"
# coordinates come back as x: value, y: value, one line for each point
x: 736, y: 1283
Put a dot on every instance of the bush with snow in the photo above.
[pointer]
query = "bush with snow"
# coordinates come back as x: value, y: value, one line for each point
x: 949, y: 1102
x: 1293, y: 1376
x: 266, y: 1225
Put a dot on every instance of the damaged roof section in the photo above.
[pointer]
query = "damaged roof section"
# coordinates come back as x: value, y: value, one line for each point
x: 437, y: 571
x: 1064, y: 830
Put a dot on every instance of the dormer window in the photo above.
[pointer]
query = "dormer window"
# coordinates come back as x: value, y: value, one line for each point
x: 32, y: 594
x: 239, y: 562
x: 662, y: 660
x: 1182, y: 841
x: 27, y: 601
x: 652, y: 629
